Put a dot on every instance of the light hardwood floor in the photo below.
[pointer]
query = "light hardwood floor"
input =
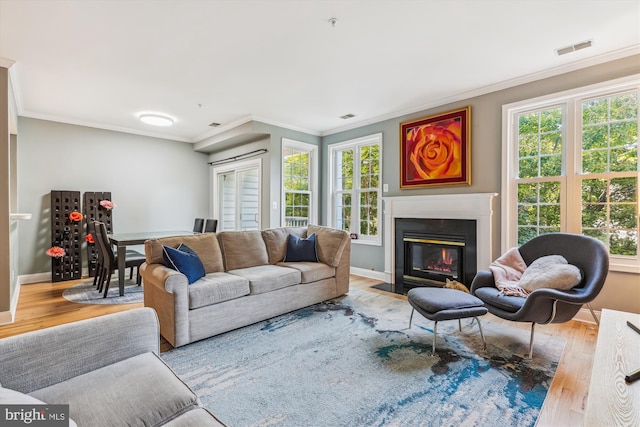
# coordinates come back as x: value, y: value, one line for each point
x: 42, y: 305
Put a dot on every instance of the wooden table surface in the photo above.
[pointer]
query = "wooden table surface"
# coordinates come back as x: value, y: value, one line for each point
x: 611, y: 401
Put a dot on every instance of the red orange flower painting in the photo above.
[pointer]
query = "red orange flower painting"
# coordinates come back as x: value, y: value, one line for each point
x: 435, y: 150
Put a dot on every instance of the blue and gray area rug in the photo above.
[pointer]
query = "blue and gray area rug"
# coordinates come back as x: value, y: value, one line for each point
x: 353, y: 362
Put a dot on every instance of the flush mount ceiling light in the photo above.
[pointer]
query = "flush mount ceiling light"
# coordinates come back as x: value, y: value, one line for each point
x: 156, y: 119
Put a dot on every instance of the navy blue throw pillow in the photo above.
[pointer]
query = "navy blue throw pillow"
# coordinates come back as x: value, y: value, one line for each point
x: 184, y: 260
x: 299, y: 250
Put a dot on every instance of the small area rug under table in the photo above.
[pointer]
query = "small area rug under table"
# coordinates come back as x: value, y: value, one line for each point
x: 86, y: 293
x: 353, y: 362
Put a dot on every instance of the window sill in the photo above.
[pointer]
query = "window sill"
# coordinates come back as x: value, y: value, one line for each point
x: 623, y: 268
x: 366, y: 242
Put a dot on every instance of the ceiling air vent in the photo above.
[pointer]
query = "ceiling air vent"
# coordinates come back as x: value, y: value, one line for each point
x: 568, y: 49
x: 347, y: 116
x: 214, y: 124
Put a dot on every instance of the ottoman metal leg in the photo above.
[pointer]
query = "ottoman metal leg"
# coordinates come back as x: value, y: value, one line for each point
x: 435, y: 333
x: 411, y: 318
x: 484, y: 342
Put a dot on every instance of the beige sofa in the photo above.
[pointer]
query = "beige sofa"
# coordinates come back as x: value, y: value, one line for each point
x: 246, y: 280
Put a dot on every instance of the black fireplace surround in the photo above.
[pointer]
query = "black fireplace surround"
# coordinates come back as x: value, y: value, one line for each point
x: 429, y: 251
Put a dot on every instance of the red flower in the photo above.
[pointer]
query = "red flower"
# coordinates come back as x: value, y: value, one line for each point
x: 75, y: 216
x: 89, y: 238
x: 435, y: 150
x: 56, y: 252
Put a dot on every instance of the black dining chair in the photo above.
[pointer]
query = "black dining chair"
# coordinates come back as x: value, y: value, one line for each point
x: 211, y: 226
x: 91, y: 229
x: 108, y: 259
x: 198, y: 225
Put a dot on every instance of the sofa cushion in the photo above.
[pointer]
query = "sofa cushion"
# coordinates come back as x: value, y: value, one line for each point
x: 330, y: 243
x: 205, y: 245
x: 276, y: 241
x: 138, y: 391
x: 266, y: 278
x: 195, y: 418
x: 311, y: 271
x: 217, y: 287
x: 242, y: 249
x: 301, y: 250
x: 184, y: 260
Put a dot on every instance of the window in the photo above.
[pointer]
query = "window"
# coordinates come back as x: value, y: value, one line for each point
x: 237, y: 196
x: 572, y: 166
x: 299, y: 178
x: 355, y: 183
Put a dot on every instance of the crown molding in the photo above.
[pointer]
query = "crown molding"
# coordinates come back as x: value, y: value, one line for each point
x: 550, y: 72
x: 54, y: 118
x: 221, y: 129
x: 6, y: 62
x: 246, y: 119
x: 528, y: 78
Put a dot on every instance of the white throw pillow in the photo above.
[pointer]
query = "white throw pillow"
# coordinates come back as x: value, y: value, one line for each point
x: 551, y: 271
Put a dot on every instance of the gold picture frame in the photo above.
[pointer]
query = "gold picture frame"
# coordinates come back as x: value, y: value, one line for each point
x: 436, y: 150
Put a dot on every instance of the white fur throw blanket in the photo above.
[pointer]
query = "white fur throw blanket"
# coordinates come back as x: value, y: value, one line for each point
x: 507, y: 271
x: 551, y: 271
x: 514, y: 278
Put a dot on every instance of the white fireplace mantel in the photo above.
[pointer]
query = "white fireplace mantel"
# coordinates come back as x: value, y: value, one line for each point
x: 475, y: 206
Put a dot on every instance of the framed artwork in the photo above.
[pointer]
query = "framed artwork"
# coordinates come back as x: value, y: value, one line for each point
x: 435, y: 150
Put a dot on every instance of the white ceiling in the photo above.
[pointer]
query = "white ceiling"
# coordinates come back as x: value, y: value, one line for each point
x: 102, y: 62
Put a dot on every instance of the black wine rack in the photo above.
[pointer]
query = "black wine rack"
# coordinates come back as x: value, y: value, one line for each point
x: 66, y: 234
x: 93, y: 211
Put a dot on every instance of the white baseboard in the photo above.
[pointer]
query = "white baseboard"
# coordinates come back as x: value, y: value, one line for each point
x: 6, y: 317
x: 9, y: 316
x: 370, y: 274
x: 584, y: 315
x: 34, y: 278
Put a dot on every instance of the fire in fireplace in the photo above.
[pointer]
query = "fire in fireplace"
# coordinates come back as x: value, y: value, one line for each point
x: 428, y: 252
x: 431, y: 260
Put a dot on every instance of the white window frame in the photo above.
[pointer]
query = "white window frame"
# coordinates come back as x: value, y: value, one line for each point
x: 235, y: 167
x: 571, y: 178
x: 355, y: 207
x: 313, y: 177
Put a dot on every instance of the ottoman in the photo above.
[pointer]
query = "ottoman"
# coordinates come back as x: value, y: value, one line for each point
x: 445, y: 304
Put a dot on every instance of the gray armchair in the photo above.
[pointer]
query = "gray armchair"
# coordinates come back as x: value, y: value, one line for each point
x: 546, y: 305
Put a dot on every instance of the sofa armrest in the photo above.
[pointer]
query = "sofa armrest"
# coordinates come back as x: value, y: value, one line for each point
x: 166, y: 278
x: 343, y: 270
x: 45, y: 357
x: 167, y: 291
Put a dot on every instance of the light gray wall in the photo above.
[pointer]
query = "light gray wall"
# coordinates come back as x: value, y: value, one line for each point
x: 157, y: 184
x: 276, y: 134
x: 7, y: 285
x: 271, y: 164
x: 486, y: 167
